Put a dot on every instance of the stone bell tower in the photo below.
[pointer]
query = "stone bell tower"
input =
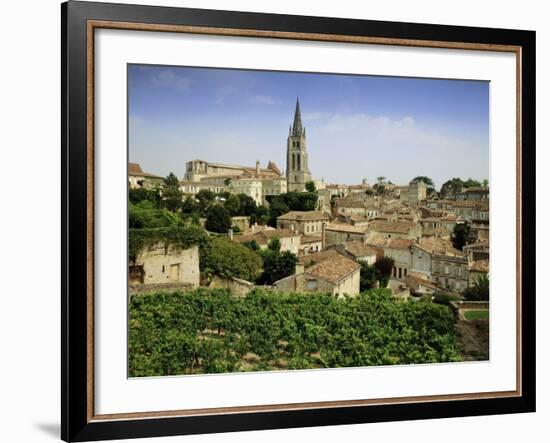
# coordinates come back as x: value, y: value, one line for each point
x: 297, y: 167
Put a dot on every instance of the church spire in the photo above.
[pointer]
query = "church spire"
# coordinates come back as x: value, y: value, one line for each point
x: 297, y: 126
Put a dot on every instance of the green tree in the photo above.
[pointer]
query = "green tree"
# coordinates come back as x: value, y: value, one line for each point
x: 479, y: 291
x: 384, y: 266
x: 310, y: 186
x: 189, y: 205
x: 277, y: 208
x: 218, y: 219
x: 227, y: 258
x: 471, y: 183
x: 139, y: 195
x: 276, y: 264
x: 459, y: 235
x: 172, y: 193
x: 367, y: 277
x: 452, y: 186
x: 485, y: 183
x: 274, y: 245
x: 261, y: 215
x: 247, y: 205
x: 233, y: 205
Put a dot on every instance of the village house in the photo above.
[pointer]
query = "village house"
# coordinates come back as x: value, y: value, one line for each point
x: 477, y: 268
x: 304, y: 222
x: 395, y: 229
x: 362, y: 252
x: 442, y: 264
x: 416, y: 192
x: 473, y: 193
x: 139, y: 179
x: 159, y: 264
x: 419, y: 285
x: 323, y: 272
x: 400, y: 250
x: 290, y: 240
x: 339, y: 233
x: 476, y: 251
x: 310, y: 244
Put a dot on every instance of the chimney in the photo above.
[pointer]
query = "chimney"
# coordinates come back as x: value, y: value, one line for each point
x: 257, y: 167
x: 299, y: 268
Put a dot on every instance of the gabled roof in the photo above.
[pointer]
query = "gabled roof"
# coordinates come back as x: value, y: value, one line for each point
x: 360, y: 249
x: 329, y: 265
x: 264, y: 236
x: 303, y: 215
x: 134, y: 170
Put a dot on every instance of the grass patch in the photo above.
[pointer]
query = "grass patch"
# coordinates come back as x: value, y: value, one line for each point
x: 477, y: 315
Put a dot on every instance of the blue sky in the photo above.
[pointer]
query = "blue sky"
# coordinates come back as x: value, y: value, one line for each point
x: 357, y: 126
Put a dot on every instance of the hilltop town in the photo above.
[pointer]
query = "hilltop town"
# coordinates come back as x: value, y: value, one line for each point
x: 430, y: 241
x: 244, y: 268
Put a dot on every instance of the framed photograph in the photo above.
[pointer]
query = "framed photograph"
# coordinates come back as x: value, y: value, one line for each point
x: 276, y: 221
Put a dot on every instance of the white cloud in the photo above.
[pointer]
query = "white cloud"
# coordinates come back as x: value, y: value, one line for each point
x: 265, y: 100
x: 169, y: 78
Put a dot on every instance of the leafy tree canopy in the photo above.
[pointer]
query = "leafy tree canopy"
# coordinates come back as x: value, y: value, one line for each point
x: 384, y: 266
x: 479, y: 291
x: 218, y: 219
x: 171, y: 193
x: 310, y: 186
x: 459, y: 235
x: 227, y: 258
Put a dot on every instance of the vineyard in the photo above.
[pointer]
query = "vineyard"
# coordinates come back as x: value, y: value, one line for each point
x: 210, y: 331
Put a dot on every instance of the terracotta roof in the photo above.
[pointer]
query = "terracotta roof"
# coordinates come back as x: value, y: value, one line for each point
x: 438, y: 246
x: 264, y: 236
x: 395, y: 227
x: 134, y: 169
x: 422, y: 281
x: 329, y: 265
x: 360, y: 249
x: 343, y: 227
x: 479, y: 266
x: 271, y: 165
x: 399, y: 243
x: 310, y: 239
x: 349, y: 203
x: 303, y: 215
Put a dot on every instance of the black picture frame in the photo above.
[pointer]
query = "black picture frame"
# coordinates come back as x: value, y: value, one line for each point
x: 76, y: 424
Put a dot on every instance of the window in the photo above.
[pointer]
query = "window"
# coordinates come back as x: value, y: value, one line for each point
x: 312, y: 285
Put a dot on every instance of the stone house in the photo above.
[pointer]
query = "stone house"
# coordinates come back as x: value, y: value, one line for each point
x: 339, y: 233
x: 323, y: 272
x: 304, y: 222
x: 236, y: 286
x: 139, y: 179
x: 362, y: 252
x: 419, y: 285
x: 396, y: 229
x: 416, y: 192
x: 310, y: 244
x: 442, y: 264
x: 477, y: 268
x: 476, y: 251
x: 290, y: 240
x: 159, y: 264
x: 400, y: 250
